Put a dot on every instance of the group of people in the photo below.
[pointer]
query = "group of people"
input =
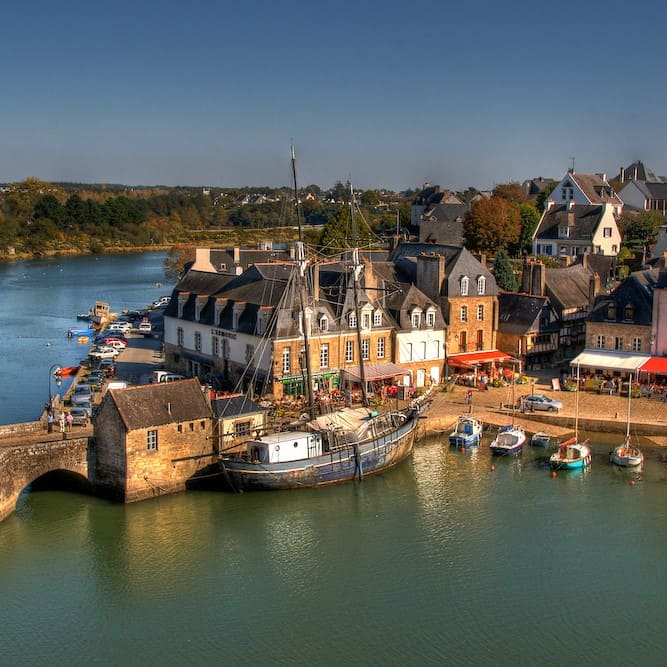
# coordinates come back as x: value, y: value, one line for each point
x: 65, y: 420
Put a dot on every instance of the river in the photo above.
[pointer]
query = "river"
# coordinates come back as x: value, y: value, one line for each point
x: 443, y: 560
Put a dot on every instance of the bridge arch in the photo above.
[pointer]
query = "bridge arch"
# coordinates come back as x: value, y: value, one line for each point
x: 23, y: 464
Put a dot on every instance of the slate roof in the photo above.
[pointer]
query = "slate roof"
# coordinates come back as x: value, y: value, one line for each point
x: 520, y: 313
x: 586, y: 219
x: 431, y: 195
x: 636, y: 290
x: 653, y: 190
x: 234, y: 406
x: 603, y: 265
x: 637, y: 171
x: 149, y: 405
x: 569, y: 287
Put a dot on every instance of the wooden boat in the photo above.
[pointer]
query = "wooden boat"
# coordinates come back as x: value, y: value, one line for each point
x: 571, y: 453
x: 627, y: 454
x: 467, y: 432
x: 540, y: 439
x: 329, y: 449
x: 510, y: 437
x: 509, y: 440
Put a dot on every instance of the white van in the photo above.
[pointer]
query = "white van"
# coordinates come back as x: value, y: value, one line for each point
x: 145, y: 328
x: 166, y: 376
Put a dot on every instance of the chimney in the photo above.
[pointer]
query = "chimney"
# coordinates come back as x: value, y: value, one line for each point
x: 203, y: 261
x: 536, y: 279
x: 430, y: 275
x: 237, y: 254
x: 593, y: 287
x: 316, y: 281
x: 622, y: 179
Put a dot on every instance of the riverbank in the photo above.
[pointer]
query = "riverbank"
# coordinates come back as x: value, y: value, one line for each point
x: 598, y: 413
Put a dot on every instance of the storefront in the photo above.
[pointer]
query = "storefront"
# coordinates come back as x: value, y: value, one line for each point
x: 486, y: 364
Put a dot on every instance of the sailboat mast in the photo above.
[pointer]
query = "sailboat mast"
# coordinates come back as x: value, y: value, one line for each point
x: 356, y: 274
x: 627, y: 424
x: 576, y: 408
x: 301, y: 283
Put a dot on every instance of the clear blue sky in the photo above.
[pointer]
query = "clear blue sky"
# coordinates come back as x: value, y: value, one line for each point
x: 390, y: 94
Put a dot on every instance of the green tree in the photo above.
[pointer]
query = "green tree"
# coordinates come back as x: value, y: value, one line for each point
x: 370, y: 198
x: 530, y: 218
x: 48, y: 206
x: 492, y: 224
x: 503, y: 271
x: 640, y: 229
x: 338, y: 234
x: 513, y: 192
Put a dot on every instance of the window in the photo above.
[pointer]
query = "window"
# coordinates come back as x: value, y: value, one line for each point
x: 637, y: 344
x: 465, y: 283
x: 599, y: 342
x: 377, y: 318
x: 366, y: 321
x: 480, y: 313
x: 215, y: 346
x: 324, y: 355
x: 464, y: 313
x: 611, y: 312
x: 225, y: 348
x: 480, y: 339
x: 365, y: 348
x: 463, y: 342
x: 179, y: 336
x: 563, y: 232
x: 618, y: 343
x: 381, y: 348
x: 481, y: 285
x: 349, y: 351
x: 286, y: 360
x: 629, y: 312
x: 198, y: 341
x: 179, y: 428
x: 324, y: 323
x: 241, y: 428
x: 352, y: 321
x: 416, y: 319
x: 606, y: 232
x: 430, y: 318
x: 151, y: 440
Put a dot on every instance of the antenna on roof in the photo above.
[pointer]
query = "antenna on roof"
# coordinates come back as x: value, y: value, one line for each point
x: 572, y: 167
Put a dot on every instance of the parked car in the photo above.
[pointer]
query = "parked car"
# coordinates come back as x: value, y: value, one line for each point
x: 165, y: 376
x: 162, y: 302
x: 83, y: 393
x: 539, y: 402
x: 80, y: 416
x: 116, y: 343
x: 125, y: 327
x: 107, y: 366
x: 103, y: 352
x: 145, y: 328
x: 87, y: 407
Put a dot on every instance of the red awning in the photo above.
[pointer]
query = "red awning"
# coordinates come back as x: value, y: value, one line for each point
x: 655, y: 365
x: 474, y: 359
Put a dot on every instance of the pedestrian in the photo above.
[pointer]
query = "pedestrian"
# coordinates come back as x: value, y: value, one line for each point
x: 49, y: 422
x: 61, y: 419
x: 469, y: 400
x: 69, y: 419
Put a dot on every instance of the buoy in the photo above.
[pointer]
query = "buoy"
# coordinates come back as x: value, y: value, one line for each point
x: 632, y: 482
x: 493, y: 468
x: 463, y: 449
x: 553, y: 474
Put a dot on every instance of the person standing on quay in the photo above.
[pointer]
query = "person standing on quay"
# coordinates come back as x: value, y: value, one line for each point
x: 61, y: 419
x: 69, y: 419
x: 49, y: 422
x: 469, y: 400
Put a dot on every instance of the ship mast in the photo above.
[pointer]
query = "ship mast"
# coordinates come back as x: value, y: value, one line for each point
x: 301, y: 265
x: 357, y: 268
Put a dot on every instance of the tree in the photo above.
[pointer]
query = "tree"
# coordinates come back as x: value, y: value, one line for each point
x: 513, y: 192
x: 492, y: 224
x: 338, y: 234
x: 640, y: 229
x: 530, y: 218
x: 542, y: 196
x: 370, y: 198
x: 47, y: 206
x: 503, y: 272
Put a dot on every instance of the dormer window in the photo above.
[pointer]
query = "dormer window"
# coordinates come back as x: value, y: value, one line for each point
x: 352, y: 320
x: 611, y: 312
x: 416, y: 319
x: 430, y: 318
x: 629, y: 312
x: 377, y: 318
x: 324, y: 323
x: 366, y: 321
x: 465, y: 284
x: 481, y: 285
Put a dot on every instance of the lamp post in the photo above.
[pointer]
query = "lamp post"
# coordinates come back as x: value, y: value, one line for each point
x: 54, y: 371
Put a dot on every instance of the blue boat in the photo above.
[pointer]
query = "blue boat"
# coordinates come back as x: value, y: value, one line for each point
x: 467, y: 433
x: 509, y: 440
x: 76, y: 332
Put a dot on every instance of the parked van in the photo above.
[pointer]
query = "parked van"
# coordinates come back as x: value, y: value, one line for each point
x: 145, y: 328
x: 166, y: 376
x: 115, y: 385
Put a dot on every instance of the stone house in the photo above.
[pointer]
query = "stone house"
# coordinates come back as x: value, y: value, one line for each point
x: 528, y: 329
x: 236, y: 418
x: 150, y: 440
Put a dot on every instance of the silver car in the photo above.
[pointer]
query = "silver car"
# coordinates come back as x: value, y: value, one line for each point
x: 539, y: 402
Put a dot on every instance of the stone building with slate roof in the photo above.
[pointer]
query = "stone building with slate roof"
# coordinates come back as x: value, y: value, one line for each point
x: 623, y: 320
x: 528, y: 329
x: 150, y: 440
x: 236, y: 418
x: 571, y: 230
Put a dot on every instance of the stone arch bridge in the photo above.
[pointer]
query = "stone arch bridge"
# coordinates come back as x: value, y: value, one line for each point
x: 27, y: 452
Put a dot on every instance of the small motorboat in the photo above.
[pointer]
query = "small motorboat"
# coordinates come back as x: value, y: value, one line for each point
x: 571, y: 454
x: 76, y: 332
x: 467, y: 433
x: 509, y: 440
x: 540, y: 439
x: 66, y: 371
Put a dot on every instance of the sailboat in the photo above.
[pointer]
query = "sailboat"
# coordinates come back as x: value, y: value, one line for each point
x: 627, y: 454
x: 511, y: 436
x: 340, y: 446
x: 571, y: 453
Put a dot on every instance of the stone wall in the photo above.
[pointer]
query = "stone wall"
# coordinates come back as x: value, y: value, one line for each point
x: 25, y: 428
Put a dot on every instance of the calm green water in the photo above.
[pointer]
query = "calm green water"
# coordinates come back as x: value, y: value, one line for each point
x: 441, y: 561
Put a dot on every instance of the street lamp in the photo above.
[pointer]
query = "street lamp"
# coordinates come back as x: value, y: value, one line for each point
x: 54, y: 372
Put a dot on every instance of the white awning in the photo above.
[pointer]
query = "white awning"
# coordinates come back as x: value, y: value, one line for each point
x: 379, y: 371
x: 610, y: 361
